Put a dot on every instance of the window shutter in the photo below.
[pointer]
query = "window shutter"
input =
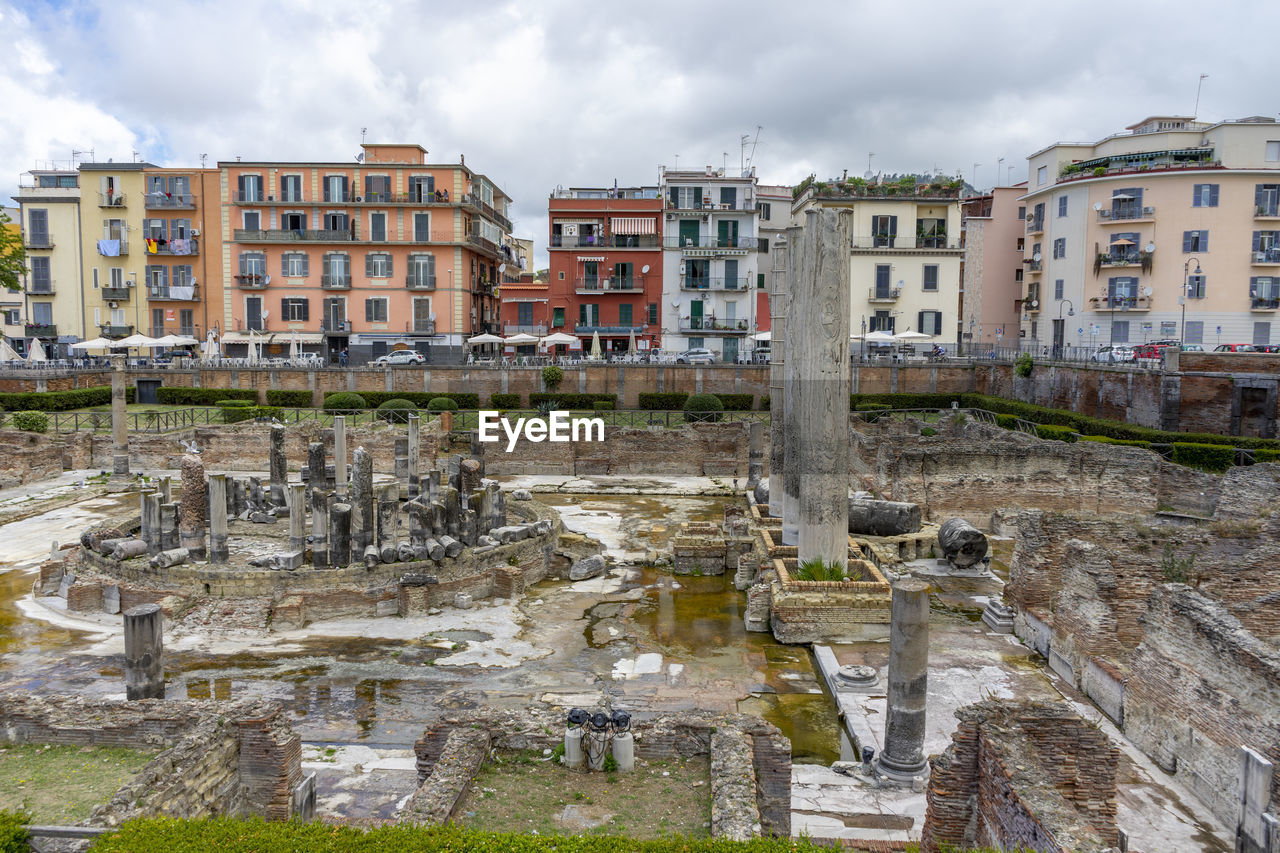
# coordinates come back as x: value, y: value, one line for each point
x: 368, y: 310
x: 306, y: 308
x: 893, y: 226
x: 325, y: 271
x: 1186, y: 241
x: 1257, y: 240
x: 284, y: 308
x: 675, y: 195
x: 325, y: 184
x: 346, y: 188
x: 920, y: 320
x: 697, y: 196
x: 243, y: 264
x: 284, y: 264
x: 306, y: 264
x: 368, y: 264
x: 1258, y: 195
x: 368, y: 185
x: 389, y: 271
x: 240, y: 187
x: 1213, y: 195
x: 1204, y: 241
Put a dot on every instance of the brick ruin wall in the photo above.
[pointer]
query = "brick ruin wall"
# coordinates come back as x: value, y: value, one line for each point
x: 214, y: 758
x: 1022, y: 775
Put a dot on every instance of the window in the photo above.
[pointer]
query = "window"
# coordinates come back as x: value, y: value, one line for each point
x: 1195, y: 241
x: 929, y: 322
x: 337, y: 270
x: 1266, y: 246
x: 588, y: 314
x: 653, y: 313
x: 1037, y: 218
x: 250, y: 187
x: 1062, y: 205
x: 294, y: 264
x: 156, y: 229
x: 765, y: 209
x: 252, y: 220
x: 117, y: 277
x: 686, y: 198
x: 1122, y: 291
x: 41, y: 280
x: 42, y: 313
x: 377, y: 188
x: 12, y: 316
x: 1204, y: 195
x: 253, y: 312
x: 931, y: 277
x: 557, y: 317
x: 1193, y: 332
x: 253, y: 264
x: 1262, y: 329
x: 158, y: 280
x: 727, y: 232
x: 882, y: 321
x: 294, y: 309
x: 1022, y: 244
x: 1196, y: 286
x: 884, y: 230
x: 423, y: 319
x: 375, y: 309
x: 291, y: 188
x: 186, y: 321
x: 762, y: 245
x: 335, y: 188
x: 180, y: 229
x: 562, y: 275
x: 1264, y: 290
x: 377, y: 226
x: 729, y: 197
x: 422, y: 188
x: 524, y: 313
x: 422, y: 227
x: 1042, y: 175
x: 1058, y: 288
x: 293, y: 220
x: 624, y: 314
x: 1273, y: 150
x: 1017, y: 274
x: 1120, y: 331
x: 1060, y: 247
x: 1022, y: 212
x: 422, y: 271
x: 182, y: 276
x: 377, y: 265
x: 883, y: 290
x: 624, y: 276
x: 1266, y: 197
x: 38, y: 228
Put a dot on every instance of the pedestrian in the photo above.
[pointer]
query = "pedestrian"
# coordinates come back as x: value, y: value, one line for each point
x: 342, y: 357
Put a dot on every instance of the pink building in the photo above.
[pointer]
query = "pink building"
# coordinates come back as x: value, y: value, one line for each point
x: 992, y: 290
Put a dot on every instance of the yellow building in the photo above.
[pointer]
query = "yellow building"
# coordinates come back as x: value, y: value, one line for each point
x: 51, y: 303
x: 1170, y: 230
x: 112, y: 210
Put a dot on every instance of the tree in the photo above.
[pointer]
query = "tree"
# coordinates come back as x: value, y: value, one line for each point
x: 13, y: 258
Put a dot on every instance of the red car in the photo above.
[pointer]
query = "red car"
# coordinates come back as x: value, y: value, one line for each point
x: 1153, y: 350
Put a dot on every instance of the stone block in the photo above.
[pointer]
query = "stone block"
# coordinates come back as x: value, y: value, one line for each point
x: 588, y: 567
x: 521, y: 495
x: 389, y: 607
x: 462, y: 601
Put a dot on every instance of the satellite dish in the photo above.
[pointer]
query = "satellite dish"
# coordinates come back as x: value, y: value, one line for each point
x: 1146, y: 291
x: 1097, y: 205
x: 1035, y: 304
x: 1036, y: 257
x: 266, y: 314
x: 502, y: 267
x: 1151, y: 247
x: 645, y: 269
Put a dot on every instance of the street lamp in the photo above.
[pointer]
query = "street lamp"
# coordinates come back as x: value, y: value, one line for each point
x: 1186, y: 290
x: 1071, y: 312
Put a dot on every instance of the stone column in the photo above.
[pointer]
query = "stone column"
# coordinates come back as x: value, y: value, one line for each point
x: 790, y: 391
x: 119, y: 420
x: 194, y: 497
x: 340, y: 455
x: 755, y: 453
x: 218, y: 518
x: 339, y: 535
x: 168, y: 526
x: 144, y: 652
x: 165, y: 487
x: 777, y: 367
x: 362, y: 521
x: 319, y: 528
x: 388, y: 515
x: 316, y: 466
x: 150, y: 516
x: 279, y: 465
x: 415, y: 454
x: 819, y: 302
x: 297, y: 517
x: 902, y: 758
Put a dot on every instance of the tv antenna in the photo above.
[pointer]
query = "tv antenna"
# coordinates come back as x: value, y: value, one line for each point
x: 754, y: 142
x: 1196, y: 112
x: 363, y: 131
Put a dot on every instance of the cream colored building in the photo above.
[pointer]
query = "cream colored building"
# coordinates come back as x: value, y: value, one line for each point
x: 1118, y: 228
x: 906, y: 255
x: 112, y: 211
x: 51, y: 302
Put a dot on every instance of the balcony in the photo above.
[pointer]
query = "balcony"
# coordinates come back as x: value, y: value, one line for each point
x: 884, y: 294
x: 473, y: 200
x: 421, y: 327
x: 176, y: 293
x: 711, y: 325
x: 37, y: 241
x: 615, y: 284
x: 591, y: 329
x: 111, y: 200
x: 538, y: 329
x: 701, y: 282
x: 1120, y: 303
x: 690, y: 205
x: 1264, y: 304
x: 41, y: 288
x: 253, y: 280
x: 711, y: 242
x: 886, y: 244
x: 115, y: 332
x: 336, y: 327
x: 292, y: 235
x: 577, y: 241
x: 483, y: 243
x: 1265, y: 257
x: 1267, y: 211
x: 597, y: 241
x: 1035, y: 225
x: 1126, y: 213
x: 40, y: 330
x: 119, y: 249
x: 1119, y: 259
x: 187, y: 246
x: 1034, y: 266
x: 171, y: 201
x: 338, y: 281
x: 117, y: 294
x: 420, y: 282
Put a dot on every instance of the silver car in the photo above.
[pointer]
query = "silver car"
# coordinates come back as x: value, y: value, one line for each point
x: 696, y: 356
x: 399, y: 357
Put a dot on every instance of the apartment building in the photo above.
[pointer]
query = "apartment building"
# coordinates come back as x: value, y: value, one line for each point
x: 606, y: 271
x: 774, y: 204
x: 906, y: 255
x: 993, y: 280
x: 180, y: 243
x: 363, y: 255
x: 11, y: 302
x: 710, y: 261
x: 1170, y: 229
x: 51, y: 307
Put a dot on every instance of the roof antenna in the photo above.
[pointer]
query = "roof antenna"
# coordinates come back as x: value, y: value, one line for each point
x: 363, y: 131
x: 1196, y: 112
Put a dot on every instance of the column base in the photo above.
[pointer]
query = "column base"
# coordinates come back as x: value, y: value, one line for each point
x: 120, y: 466
x: 902, y: 775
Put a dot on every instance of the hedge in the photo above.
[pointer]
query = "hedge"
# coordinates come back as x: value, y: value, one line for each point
x: 31, y: 421
x: 1049, y: 432
x: 420, y: 399
x: 764, y: 403
x: 236, y: 411
x: 736, y: 402
x: 13, y: 831
x: 703, y: 408
x: 662, y: 401
x: 179, y: 396
x: 1266, y: 455
x: 1146, y: 445
x: 230, y: 835
x: 504, y: 401
x: 603, y: 406
x: 1206, y: 457
x: 59, y: 401
x: 906, y: 401
x: 441, y: 404
x: 396, y: 410
x: 234, y: 404
x: 573, y: 402
x: 344, y: 401
x: 289, y: 399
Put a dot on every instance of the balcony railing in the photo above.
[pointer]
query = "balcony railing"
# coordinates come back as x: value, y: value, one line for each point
x: 41, y: 330
x: 1265, y: 256
x: 421, y: 327
x: 420, y: 282
x: 116, y: 294
x: 591, y: 328
x: 338, y: 281
x: 42, y: 288
x: 1035, y: 225
x: 120, y: 250
x: 172, y: 201
x: 711, y: 241
x: 1267, y: 211
x: 115, y: 332
x: 253, y: 280
x: 711, y: 324
x: 483, y: 242
x: 37, y: 241
x: 524, y: 328
x: 190, y: 293
x: 884, y: 294
x: 611, y: 284
x: 702, y: 282
x: 611, y: 241
x: 336, y: 327
x: 577, y: 241
x: 1264, y: 303
x: 1127, y: 213
x: 191, y: 247
x: 1034, y: 266
x: 1120, y: 303
x: 1119, y: 259
x: 295, y: 235
x: 111, y: 199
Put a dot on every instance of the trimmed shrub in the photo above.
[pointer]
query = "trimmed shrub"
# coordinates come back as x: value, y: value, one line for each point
x: 420, y: 399
x: 234, y: 404
x: 662, y: 401
x: 1022, y: 366
x: 577, y: 402
x: 442, y: 404
x: 1266, y: 455
x: 343, y: 401
x: 1056, y: 433
x: 1206, y: 457
x: 31, y: 421
x: 736, y: 402
x: 552, y: 376
x: 201, y: 396
x: 59, y: 401
x: 13, y: 831
x: 602, y: 405
x: 1007, y: 421
x: 703, y: 408
x: 463, y: 399
x: 235, y: 411
x: 906, y: 401
x: 291, y: 399
x: 505, y: 401
x: 764, y: 403
x: 396, y: 410
x: 1102, y: 439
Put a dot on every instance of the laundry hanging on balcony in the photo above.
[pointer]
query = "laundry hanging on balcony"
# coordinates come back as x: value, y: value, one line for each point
x: 109, y: 248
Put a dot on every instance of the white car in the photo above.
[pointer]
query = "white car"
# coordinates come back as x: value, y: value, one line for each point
x: 696, y: 356
x: 400, y: 356
x: 1112, y: 355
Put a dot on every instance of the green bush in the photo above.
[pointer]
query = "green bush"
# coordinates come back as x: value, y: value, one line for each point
x: 1007, y: 421
x: 703, y: 408
x: 13, y: 831
x: 1022, y: 366
x: 817, y: 569
x: 906, y: 401
x: 1102, y: 439
x: 572, y: 402
x: 396, y: 410
x: 344, y: 401
x: 442, y: 404
x: 764, y: 403
x: 235, y: 411
x: 552, y: 376
x: 927, y: 432
x: 505, y: 401
x: 602, y: 405
x: 421, y: 398
x: 290, y: 399
x: 1206, y: 457
x: 662, y: 401
x: 31, y: 421
x: 1056, y: 433
x: 234, y: 404
x: 59, y: 401
x: 1266, y: 455
x: 736, y: 402
x: 178, y: 396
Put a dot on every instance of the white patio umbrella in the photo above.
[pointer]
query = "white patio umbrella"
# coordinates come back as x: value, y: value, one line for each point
x: 295, y: 347
x: 911, y: 336
x: 558, y: 338
x: 763, y: 336
x: 631, y: 342
x: 521, y: 339
x: 596, y: 353
x: 486, y: 338
x: 175, y: 341
x: 93, y: 343
x: 36, y: 352
x: 140, y: 341
x: 7, y: 352
x: 211, y: 349
x: 878, y: 337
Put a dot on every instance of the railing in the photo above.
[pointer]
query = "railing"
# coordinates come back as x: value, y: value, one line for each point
x: 708, y: 283
x: 576, y: 241
x: 690, y: 205
x: 420, y: 282
x: 421, y: 327
x: 483, y: 243
x: 249, y: 196
x: 710, y: 324
x: 124, y: 246
x: 1258, y: 304
x: 1266, y: 210
x: 115, y: 332
x: 188, y: 293
x: 611, y: 284
x: 1265, y: 256
x: 474, y: 201
x: 336, y: 327
x: 192, y: 246
x: 1118, y: 259
x: 598, y: 241
x: 171, y: 200
x: 524, y: 328
x: 884, y: 294
x: 592, y: 328
x: 1035, y: 225
x: 336, y: 281
x: 1120, y: 303
x: 252, y: 280
x: 118, y: 294
x: 37, y: 241
x: 112, y: 199
x: 1126, y: 213
x: 41, y: 330
x: 710, y: 241
x: 296, y: 235
x: 46, y: 288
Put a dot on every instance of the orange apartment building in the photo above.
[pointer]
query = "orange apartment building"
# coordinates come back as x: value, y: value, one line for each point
x: 181, y: 239
x: 362, y: 256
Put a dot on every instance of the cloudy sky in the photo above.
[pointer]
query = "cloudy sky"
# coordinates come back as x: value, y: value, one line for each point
x: 545, y: 93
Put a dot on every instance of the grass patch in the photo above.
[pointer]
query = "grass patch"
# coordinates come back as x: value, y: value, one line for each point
x: 62, y: 784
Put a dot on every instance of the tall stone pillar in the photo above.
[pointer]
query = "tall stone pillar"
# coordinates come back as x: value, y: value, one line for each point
x: 319, y: 528
x: 119, y: 419
x: 194, y: 504
x: 790, y: 393
x: 819, y: 302
x: 149, y: 513
x: 340, y: 455
x: 218, y: 518
x: 297, y: 517
x: 755, y: 453
x: 339, y: 535
x: 777, y: 367
x: 415, y: 456
x: 362, y: 521
x: 279, y: 465
x: 143, y: 652
x: 316, y: 466
x: 903, y: 758
x: 388, y: 515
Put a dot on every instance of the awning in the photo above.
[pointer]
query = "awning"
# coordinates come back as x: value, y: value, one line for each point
x: 525, y: 299
x: 632, y: 225
x: 273, y: 338
x: 591, y: 257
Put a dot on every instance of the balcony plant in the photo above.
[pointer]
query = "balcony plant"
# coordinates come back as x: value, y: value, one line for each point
x: 1145, y: 259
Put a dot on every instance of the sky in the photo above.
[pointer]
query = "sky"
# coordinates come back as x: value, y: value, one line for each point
x: 551, y: 93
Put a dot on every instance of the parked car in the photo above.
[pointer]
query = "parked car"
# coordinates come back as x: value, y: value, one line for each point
x: 1192, y: 348
x: 1268, y: 348
x: 1235, y: 348
x: 696, y: 356
x: 400, y: 356
x: 1152, y: 349
x: 1112, y: 354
